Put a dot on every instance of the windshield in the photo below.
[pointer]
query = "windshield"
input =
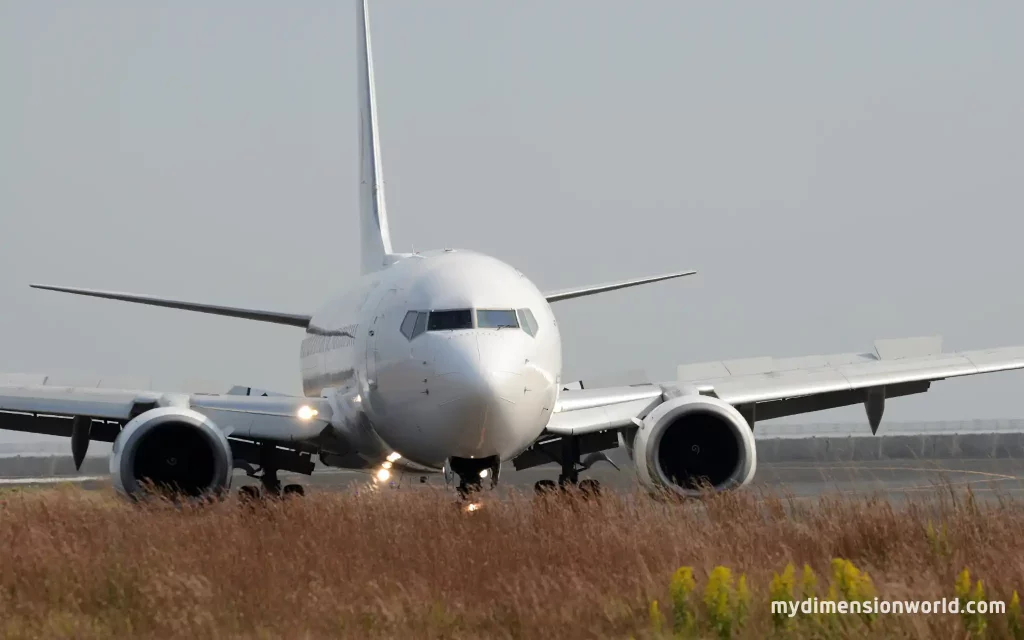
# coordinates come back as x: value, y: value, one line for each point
x: 496, y: 318
x: 416, y: 322
x: 449, y: 320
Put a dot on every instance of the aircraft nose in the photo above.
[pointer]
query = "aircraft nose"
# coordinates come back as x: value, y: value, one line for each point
x: 478, y: 389
x: 468, y: 374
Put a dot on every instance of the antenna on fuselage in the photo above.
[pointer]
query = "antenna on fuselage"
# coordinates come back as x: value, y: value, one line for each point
x: 375, y: 238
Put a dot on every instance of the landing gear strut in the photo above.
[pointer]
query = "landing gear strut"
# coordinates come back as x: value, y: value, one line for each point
x: 472, y: 472
x: 270, y: 481
x: 569, y: 478
x: 570, y: 461
x: 271, y: 484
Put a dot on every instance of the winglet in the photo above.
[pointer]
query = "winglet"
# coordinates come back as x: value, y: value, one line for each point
x: 579, y: 292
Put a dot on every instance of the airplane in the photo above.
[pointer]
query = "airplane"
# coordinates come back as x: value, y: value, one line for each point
x: 450, y: 362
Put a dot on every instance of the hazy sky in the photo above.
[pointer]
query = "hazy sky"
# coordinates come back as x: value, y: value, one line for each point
x: 837, y: 172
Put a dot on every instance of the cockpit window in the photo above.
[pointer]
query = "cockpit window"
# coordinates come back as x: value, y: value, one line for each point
x: 496, y: 318
x: 421, y: 324
x: 528, y: 322
x: 414, y: 323
x: 449, y: 320
x: 408, y: 324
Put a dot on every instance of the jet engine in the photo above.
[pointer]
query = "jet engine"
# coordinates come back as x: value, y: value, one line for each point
x: 174, y: 448
x: 689, y: 442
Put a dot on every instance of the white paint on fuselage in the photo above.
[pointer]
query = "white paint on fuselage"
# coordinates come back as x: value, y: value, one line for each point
x: 468, y: 393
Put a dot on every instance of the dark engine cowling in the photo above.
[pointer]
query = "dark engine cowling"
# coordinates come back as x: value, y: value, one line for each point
x: 176, y: 449
x: 691, y: 441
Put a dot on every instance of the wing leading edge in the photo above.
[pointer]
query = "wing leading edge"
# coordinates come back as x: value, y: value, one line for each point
x: 52, y: 410
x: 579, y: 292
x: 275, y: 317
x: 766, y: 388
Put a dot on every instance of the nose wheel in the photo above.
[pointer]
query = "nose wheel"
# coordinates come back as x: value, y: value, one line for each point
x: 467, y: 489
x: 472, y: 472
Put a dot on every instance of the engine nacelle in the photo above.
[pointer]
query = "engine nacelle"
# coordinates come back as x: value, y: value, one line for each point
x: 691, y: 440
x: 176, y: 449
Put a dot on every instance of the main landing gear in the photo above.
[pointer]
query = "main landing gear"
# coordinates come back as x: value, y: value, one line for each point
x: 270, y: 484
x: 270, y: 488
x: 569, y: 479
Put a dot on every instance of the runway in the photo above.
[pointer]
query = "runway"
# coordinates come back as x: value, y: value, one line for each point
x: 992, y: 477
x: 894, y: 479
x: 800, y: 461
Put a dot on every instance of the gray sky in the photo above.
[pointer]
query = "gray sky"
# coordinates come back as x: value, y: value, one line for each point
x: 837, y: 172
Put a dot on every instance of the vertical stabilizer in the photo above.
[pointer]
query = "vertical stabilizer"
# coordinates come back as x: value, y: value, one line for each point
x: 375, y: 239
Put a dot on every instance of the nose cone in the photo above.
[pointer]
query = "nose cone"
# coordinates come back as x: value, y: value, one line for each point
x: 480, y: 399
x: 481, y: 405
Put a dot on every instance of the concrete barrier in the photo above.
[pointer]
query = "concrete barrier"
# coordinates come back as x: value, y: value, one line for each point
x: 860, y: 448
x: 51, y: 466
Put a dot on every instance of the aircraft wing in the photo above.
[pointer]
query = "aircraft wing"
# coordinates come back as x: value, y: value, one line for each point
x: 766, y: 388
x: 274, y: 317
x: 40, y: 404
x: 589, y: 290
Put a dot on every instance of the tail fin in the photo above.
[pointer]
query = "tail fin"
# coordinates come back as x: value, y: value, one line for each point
x: 375, y: 239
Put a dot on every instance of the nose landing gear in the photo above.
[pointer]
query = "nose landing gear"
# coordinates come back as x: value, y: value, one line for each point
x: 472, y: 472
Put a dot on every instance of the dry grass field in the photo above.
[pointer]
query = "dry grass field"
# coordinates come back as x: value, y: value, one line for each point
x: 84, y: 564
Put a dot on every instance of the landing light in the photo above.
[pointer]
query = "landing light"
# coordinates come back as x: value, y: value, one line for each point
x: 307, y: 412
x: 483, y: 474
x: 386, y: 465
x: 383, y: 475
x: 474, y: 506
x: 394, y: 456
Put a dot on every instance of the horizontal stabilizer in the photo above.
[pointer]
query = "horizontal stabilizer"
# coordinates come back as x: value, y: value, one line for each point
x: 590, y: 290
x: 274, y: 317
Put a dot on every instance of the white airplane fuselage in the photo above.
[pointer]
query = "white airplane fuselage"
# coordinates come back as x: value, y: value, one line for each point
x: 477, y: 376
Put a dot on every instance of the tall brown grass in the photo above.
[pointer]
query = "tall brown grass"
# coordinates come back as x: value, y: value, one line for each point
x: 412, y: 565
